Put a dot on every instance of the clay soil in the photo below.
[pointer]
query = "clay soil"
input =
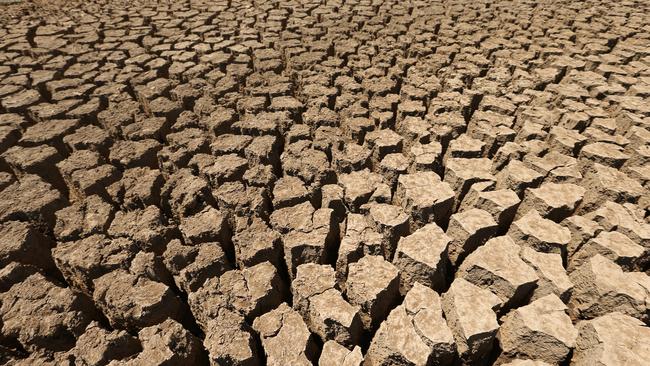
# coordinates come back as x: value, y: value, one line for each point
x: 325, y: 182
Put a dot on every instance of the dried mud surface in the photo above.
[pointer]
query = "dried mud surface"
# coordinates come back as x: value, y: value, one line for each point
x: 325, y: 182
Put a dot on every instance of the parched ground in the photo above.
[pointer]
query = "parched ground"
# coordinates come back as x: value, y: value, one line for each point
x: 325, y: 182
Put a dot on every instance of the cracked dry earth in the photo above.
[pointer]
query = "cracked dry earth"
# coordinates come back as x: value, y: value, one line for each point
x: 325, y: 182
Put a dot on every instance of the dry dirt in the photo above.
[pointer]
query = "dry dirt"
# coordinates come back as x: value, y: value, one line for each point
x: 325, y: 182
